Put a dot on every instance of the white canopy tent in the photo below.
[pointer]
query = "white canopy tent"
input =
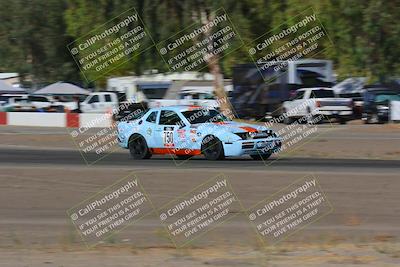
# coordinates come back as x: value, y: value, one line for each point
x: 61, y: 88
x: 8, y: 89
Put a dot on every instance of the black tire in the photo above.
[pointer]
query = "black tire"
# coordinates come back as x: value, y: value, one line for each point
x: 367, y: 119
x: 379, y: 120
x: 287, y: 120
x: 138, y: 147
x: 261, y: 156
x: 342, y: 120
x: 310, y: 116
x: 374, y: 119
x: 212, y: 148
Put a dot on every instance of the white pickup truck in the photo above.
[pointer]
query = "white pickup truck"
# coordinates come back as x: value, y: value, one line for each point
x: 313, y: 102
x: 114, y: 103
x: 100, y: 102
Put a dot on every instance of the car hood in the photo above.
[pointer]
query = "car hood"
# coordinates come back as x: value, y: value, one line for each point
x: 230, y: 126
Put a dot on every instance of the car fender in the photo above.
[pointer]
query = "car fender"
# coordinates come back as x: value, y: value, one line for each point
x: 126, y: 130
x: 222, y: 134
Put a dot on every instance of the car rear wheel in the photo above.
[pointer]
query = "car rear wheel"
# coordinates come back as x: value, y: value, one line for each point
x: 310, y: 117
x: 376, y: 119
x: 138, y: 147
x: 342, y: 120
x: 287, y: 120
x: 366, y: 118
x: 263, y: 156
x: 212, y: 148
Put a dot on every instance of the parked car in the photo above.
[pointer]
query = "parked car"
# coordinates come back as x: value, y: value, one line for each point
x: 376, y: 104
x: 103, y: 102
x: 40, y: 102
x: 16, y: 103
x: 4, y: 97
x: 312, y: 102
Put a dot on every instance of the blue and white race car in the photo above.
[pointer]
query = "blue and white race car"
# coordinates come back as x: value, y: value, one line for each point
x: 187, y: 131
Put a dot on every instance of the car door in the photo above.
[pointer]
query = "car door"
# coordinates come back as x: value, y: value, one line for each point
x: 101, y: 106
x: 149, y: 129
x: 109, y: 104
x: 301, y: 102
x: 92, y: 104
x: 295, y: 107
x: 169, y: 130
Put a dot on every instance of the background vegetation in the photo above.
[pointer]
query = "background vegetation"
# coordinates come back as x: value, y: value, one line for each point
x: 34, y: 33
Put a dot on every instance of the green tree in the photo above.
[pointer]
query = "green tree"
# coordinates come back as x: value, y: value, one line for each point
x: 33, y: 41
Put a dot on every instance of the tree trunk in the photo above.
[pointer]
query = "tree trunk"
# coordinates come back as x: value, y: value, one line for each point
x: 213, y: 64
x: 219, y: 90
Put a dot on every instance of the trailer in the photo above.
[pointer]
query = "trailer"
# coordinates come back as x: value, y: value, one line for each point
x: 260, y: 89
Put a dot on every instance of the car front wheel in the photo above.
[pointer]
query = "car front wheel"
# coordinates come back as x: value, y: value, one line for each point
x: 212, y: 148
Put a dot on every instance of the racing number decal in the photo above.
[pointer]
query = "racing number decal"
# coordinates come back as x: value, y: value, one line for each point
x: 168, y: 136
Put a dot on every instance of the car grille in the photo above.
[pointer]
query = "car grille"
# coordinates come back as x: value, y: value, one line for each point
x: 247, y: 145
x: 333, y: 103
x: 247, y: 136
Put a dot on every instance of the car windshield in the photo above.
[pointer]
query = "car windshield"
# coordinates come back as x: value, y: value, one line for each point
x: 387, y: 97
x: 20, y: 100
x: 322, y: 94
x: 203, y: 116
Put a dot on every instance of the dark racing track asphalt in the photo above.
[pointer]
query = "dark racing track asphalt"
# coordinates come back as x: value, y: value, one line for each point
x: 70, y: 157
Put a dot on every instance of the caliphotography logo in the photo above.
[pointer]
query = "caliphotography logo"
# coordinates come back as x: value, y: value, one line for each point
x: 197, y: 212
x: 110, y: 45
x: 110, y: 210
x: 289, y: 210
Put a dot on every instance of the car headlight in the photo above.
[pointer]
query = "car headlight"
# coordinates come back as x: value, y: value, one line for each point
x: 243, y: 136
x: 270, y: 133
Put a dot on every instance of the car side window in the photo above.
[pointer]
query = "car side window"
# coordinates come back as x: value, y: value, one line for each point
x: 94, y: 99
x: 169, y: 117
x: 300, y: 95
x: 37, y: 99
x: 152, y: 117
x: 108, y: 98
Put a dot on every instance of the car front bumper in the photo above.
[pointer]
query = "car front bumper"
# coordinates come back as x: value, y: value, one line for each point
x: 252, y: 146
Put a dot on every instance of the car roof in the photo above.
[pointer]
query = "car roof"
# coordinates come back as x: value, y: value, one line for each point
x: 315, y: 88
x: 376, y: 90
x: 180, y: 108
x: 105, y: 93
x: 13, y: 95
